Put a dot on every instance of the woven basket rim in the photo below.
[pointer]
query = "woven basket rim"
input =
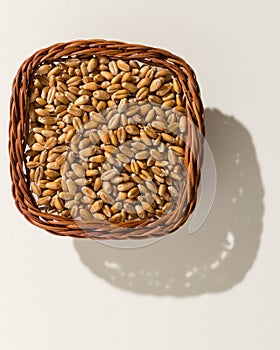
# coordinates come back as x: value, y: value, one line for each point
x: 58, y: 225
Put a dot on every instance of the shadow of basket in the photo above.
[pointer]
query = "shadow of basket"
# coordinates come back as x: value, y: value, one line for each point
x: 219, y: 255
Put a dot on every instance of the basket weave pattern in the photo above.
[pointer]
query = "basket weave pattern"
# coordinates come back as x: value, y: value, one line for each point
x: 19, y: 126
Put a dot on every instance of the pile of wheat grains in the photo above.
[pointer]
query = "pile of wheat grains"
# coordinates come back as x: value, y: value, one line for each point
x: 106, y: 139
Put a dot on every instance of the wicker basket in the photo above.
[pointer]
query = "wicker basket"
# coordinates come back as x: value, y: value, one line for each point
x: 19, y: 123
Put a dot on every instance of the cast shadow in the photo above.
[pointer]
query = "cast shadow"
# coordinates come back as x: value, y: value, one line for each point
x: 219, y: 255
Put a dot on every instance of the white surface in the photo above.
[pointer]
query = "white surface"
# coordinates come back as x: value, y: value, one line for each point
x: 57, y: 294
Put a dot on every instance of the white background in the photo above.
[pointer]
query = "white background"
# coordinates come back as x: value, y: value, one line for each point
x: 217, y: 289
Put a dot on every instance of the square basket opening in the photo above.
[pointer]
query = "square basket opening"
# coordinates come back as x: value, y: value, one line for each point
x: 106, y: 140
